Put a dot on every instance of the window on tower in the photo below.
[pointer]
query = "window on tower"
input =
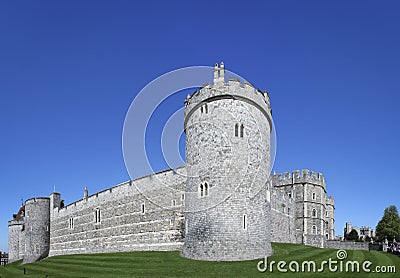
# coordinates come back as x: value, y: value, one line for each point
x: 236, y: 130
x: 203, y: 189
x: 241, y: 130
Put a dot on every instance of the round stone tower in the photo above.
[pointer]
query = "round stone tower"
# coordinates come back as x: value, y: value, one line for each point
x: 37, y: 229
x: 228, y: 126
x: 15, y: 239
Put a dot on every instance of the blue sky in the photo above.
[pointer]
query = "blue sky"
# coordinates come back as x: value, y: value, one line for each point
x: 70, y: 69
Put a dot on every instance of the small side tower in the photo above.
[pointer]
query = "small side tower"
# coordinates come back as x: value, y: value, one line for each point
x: 330, y: 217
x: 37, y: 229
x: 228, y: 126
x: 16, y: 236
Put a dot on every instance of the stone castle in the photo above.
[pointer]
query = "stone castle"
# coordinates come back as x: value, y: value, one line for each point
x: 223, y: 205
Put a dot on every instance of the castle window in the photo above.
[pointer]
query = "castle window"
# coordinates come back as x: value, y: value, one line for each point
x: 313, y: 196
x: 326, y: 213
x: 314, y: 230
x: 97, y: 216
x: 71, y: 223
x: 174, y: 203
x: 203, y: 189
x: 241, y: 131
x: 204, y: 109
x: 244, y: 222
x: 290, y: 194
x: 236, y: 130
x: 288, y: 210
x: 143, y: 208
x: 183, y: 197
x: 314, y: 213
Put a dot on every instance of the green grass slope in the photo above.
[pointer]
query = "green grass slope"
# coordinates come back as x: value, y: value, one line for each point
x: 171, y: 264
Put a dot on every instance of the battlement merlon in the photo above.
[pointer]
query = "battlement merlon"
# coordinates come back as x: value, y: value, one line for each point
x: 297, y: 176
x: 330, y: 201
x: 233, y: 89
x: 15, y: 222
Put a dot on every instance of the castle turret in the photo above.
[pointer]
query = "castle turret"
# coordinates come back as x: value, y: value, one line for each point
x: 330, y: 217
x: 85, y: 193
x: 227, y: 127
x: 16, y: 236
x: 37, y: 229
x: 15, y: 240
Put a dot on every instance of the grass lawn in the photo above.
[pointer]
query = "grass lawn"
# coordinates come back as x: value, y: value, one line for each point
x: 171, y: 264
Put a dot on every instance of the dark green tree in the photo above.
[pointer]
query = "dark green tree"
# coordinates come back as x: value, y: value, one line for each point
x: 389, y: 226
x: 367, y: 239
x: 353, y: 235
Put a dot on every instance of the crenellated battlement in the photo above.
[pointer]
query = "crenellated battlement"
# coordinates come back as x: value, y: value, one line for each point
x: 297, y: 176
x: 233, y: 89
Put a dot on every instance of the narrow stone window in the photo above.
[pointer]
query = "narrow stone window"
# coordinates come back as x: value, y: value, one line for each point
x: 173, y: 202
x: 183, y: 197
x: 201, y: 109
x: 206, y: 108
x: 97, y: 216
x: 314, y: 230
x: 313, y: 196
x: 290, y: 194
x: 201, y: 190
x: 326, y: 213
x: 143, y: 208
x: 241, y: 130
x: 205, y: 189
x: 244, y: 222
x: 314, y: 213
x: 236, y: 130
x: 288, y: 210
x: 71, y: 223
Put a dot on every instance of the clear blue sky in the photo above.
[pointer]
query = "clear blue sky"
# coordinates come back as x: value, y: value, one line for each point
x: 70, y: 69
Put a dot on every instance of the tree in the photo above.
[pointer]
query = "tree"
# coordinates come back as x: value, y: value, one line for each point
x: 353, y: 235
x: 367, y: 239
x: 389, y: 226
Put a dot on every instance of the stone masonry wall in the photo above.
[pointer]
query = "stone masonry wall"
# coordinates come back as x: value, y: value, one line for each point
x: 283, y: 216
x: 347, y: 245
x: 145, y: 214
